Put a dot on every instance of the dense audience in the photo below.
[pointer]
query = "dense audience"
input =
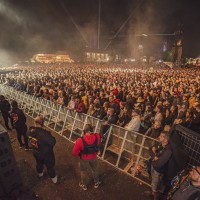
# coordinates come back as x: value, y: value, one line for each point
x: 142, y: 99
x: 165, y: 96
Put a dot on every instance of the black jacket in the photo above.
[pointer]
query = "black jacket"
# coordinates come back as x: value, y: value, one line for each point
x: 166, y: 163
x: 4, y: 106
x: 41, y: 141
x: 111, y: 119
x: 99, y: 114
x: 164, y: 155
x: 18, y: 117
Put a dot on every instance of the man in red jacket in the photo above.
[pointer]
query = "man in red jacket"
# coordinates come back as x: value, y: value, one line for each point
x: 87, y: 147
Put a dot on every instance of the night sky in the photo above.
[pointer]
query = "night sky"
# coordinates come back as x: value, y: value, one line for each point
x: 50, y: 26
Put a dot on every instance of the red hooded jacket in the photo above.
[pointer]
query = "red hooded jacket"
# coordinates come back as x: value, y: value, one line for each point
x: 78, y: 146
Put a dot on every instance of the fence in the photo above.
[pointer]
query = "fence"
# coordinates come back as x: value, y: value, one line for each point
x: 191, y: 142
x: 122, y: 149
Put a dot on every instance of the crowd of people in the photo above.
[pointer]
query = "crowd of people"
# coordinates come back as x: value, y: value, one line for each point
x: 141, y: 99
x: 161, y: 96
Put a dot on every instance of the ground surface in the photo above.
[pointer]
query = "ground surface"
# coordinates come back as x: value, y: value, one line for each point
x: 116, y: 185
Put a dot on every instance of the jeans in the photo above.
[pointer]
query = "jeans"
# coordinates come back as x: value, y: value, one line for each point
x: 21, y: 131
x: 84, y: 165
x: 45, y: 160
x: 156, y: 181
x: 6, y: 117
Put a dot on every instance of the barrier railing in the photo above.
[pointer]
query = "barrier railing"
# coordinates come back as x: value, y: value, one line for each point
x: 122, y: 149
x: 191, y: 142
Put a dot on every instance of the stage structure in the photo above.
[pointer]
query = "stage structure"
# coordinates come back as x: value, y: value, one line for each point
x: 97, y: 56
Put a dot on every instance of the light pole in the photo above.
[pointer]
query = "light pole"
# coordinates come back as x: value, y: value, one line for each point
x: 99, y: 23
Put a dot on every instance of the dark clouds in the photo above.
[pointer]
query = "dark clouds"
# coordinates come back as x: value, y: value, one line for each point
x: 29, y: 27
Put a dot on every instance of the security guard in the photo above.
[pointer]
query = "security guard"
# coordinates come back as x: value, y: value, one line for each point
x: 19, y: 122
x: 5, y: 109
x: 43, y: 143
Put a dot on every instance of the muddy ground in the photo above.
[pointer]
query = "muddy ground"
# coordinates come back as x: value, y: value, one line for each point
x: 115, y: 184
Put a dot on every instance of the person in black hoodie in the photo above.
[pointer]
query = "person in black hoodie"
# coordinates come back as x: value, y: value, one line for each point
x: 19, y: 122
x: 43, y: 143
x: 5, y: 109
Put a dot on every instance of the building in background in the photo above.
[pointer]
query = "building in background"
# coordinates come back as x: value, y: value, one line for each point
x: 51, y: 58
x: 97, y: 56
x: 193, y: 61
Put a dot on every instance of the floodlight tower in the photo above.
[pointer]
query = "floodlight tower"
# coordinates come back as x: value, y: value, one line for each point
x: 99, y: 25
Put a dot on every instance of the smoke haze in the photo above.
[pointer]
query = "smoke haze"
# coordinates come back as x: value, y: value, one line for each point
x: 48, y: 26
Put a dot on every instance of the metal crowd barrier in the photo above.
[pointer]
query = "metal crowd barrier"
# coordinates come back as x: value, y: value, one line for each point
x: 191, y: 143
x: 122, y: 149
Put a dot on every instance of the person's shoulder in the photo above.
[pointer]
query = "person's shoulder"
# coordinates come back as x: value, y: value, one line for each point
x: 168, y: 147
x: 32, y: 131
x: 46, y: 131
x: 97, y: 135
x: 79, y: 141
x: 40, y: 130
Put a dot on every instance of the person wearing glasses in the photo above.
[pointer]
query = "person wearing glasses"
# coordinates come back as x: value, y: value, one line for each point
x: 190, y: 188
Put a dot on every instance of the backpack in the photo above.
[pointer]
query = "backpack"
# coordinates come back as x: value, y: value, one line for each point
x: 90, y: 148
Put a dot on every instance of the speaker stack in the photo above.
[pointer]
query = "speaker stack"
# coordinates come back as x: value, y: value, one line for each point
x: 10, y: 179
